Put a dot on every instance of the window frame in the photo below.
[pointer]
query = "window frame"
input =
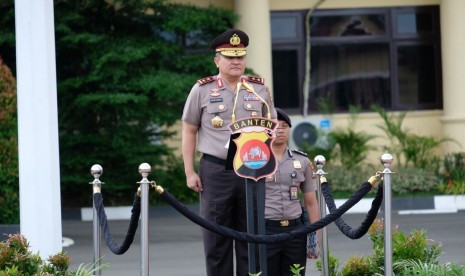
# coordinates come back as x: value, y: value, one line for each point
x: 391, y: 37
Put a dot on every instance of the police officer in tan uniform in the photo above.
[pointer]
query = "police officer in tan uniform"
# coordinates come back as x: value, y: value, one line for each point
x: 283, y: 211
x: 213, y: 103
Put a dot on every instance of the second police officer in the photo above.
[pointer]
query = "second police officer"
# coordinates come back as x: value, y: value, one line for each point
x: 283, y: 209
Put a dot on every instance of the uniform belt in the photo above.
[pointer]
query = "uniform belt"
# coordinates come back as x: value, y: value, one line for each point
x: 283, y: 223
x: 214, y: 159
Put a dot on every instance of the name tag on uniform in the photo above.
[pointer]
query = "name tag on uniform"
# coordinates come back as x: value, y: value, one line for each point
x: 216, y: 100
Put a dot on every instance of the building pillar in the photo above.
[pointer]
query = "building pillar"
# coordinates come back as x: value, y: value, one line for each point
x: 453, y: 69
x: 39, y: 169
x: 254, y: 19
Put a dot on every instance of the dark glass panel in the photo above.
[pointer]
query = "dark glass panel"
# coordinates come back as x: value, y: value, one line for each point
x: 355, y: 74
x: 285, y: 79
x: 414, y: 23
x: 284, y: 27
x: 417, y: 78
x: 348, y: 25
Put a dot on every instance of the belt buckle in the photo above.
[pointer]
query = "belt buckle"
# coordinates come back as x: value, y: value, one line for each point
x: 284, y: 223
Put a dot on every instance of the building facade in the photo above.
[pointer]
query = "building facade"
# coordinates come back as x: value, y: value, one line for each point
x: 401, y: 55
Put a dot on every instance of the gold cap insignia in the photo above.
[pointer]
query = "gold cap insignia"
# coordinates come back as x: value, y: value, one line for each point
x: 235, y: 40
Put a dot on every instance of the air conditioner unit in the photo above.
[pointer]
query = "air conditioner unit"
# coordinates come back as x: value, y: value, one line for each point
x: 310, y: 130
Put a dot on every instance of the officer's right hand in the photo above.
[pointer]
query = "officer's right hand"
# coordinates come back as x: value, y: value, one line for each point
x: 193, y: 182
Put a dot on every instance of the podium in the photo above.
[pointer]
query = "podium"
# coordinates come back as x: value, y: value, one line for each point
x: 251, y: 156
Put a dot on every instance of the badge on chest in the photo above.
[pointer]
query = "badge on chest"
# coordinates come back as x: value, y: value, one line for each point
x: 293, y: 193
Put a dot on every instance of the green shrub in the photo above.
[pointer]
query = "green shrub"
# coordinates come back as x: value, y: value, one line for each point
x: 351, y: 146
x: 360, y: 266
x: 419, y: 268
x: 346, y: 181
x: 411, y: 149
x: 15, y: 255
x: 452, y: 175
x: 333, y: 263
x: 406, y: 250
x: 404, y: 181
x: 296, y: 269
x: 409, y: 180
x: 17, y: 260
x: 9, y: 188
x: 415, y: 246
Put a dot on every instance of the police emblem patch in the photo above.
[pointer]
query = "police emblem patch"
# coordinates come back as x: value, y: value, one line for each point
x: 254, y: 157
x: 215, y: 92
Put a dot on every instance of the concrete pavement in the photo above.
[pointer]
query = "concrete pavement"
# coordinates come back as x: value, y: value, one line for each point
x: 176, y: 247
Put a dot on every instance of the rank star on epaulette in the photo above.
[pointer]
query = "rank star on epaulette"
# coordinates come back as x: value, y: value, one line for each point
x: 256, y: 79
x: 205, y: 80
x: 299, y: 152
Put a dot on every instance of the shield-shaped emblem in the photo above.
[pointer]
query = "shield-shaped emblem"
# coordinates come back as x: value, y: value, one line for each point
x: 254, y: 157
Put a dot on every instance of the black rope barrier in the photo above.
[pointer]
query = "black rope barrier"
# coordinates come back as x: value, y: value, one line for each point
x: 348, y: 231
x: 267, y: 239
x: 133, y: 224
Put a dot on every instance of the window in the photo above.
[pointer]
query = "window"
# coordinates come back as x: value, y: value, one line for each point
x: 286, y: 61
x: 384, y: 56
x: 288, y: 68
x: 350, y: 74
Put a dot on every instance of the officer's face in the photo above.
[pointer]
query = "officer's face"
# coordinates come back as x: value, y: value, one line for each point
x: 282, y: 133
x: 230, y: 66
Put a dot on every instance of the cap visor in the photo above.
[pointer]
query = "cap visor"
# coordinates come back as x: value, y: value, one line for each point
x: 233, y: 53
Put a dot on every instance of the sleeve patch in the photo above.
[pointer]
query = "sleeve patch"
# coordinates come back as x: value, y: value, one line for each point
x: 313, y: 169
x: 256, y: 79
x: 205, y: 80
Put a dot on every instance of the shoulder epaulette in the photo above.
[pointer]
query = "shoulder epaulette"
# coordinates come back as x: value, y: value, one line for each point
x: 205, y: 80
x: 299, y: 152
x: 256, y: 79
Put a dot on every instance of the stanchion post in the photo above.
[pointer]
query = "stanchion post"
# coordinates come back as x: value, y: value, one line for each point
x: 96, y: 170
x: 386, y: 160
x: 320, y: 161
x: 144, y: 170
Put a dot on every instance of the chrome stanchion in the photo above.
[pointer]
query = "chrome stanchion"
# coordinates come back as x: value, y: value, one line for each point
x: 386, y: 160
x: 96, y: 170
x: 320, y: 161
x: 144, y: 170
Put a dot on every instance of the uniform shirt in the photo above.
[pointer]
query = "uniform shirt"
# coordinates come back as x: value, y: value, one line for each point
x: 213, y: 98
x: 278, y: 205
